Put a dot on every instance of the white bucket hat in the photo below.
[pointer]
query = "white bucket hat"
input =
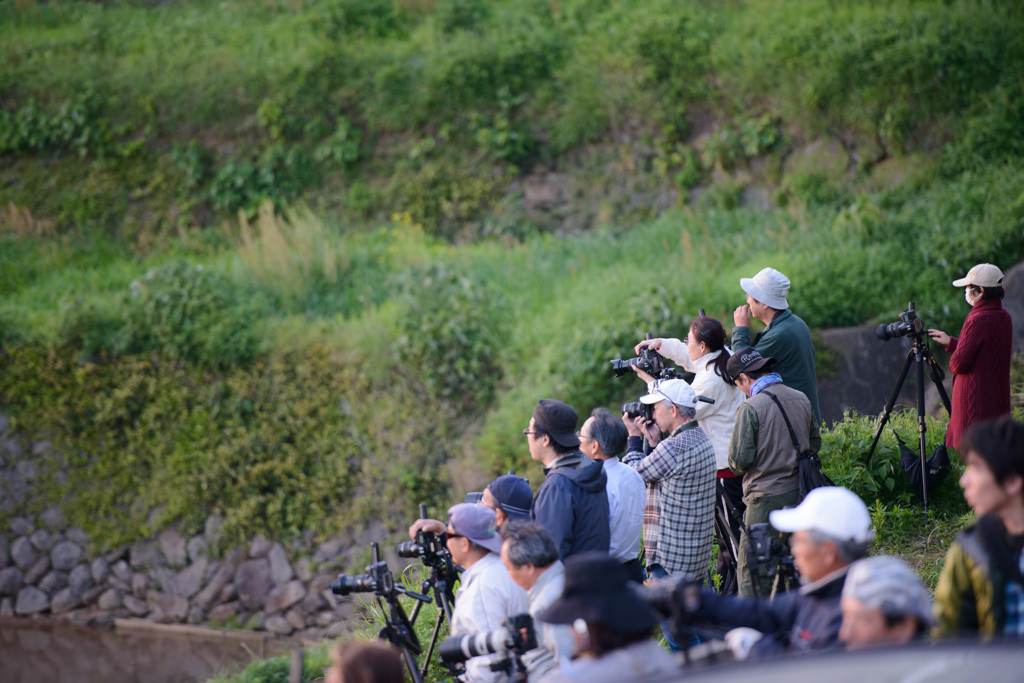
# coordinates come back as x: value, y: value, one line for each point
x: 981, y: 275
x: 769, y: 287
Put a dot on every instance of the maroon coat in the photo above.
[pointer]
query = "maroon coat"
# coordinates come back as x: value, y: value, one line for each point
x: 981, y: 367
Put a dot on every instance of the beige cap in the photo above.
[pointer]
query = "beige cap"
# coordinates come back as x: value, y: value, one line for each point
x: 981, y: 275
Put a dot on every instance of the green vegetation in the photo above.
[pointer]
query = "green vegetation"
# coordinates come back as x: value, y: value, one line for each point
x: 308, y: 264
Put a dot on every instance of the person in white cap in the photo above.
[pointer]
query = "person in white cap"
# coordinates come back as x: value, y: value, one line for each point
x: 831, y: 530
x: 981, y: 354
x: 884, y: 603
x: 786, y: 338
x: 679, y: 518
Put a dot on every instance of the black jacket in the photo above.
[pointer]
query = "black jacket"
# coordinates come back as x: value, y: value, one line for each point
x: 572, y: 505
x: 793, y: 622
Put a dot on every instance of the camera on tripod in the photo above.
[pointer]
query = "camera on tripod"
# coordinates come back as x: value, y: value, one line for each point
x: 377, y: 579
x: 516, y: 637
x: 767, y: 550
x: 908, y: 323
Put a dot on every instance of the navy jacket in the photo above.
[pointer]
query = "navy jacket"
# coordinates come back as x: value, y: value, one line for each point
x: 794, y: 622
x: 572, y: 505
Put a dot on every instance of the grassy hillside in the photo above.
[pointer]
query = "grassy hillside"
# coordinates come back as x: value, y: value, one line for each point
x: 308, y: 264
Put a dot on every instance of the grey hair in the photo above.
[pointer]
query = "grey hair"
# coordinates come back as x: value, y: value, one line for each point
x: 609, y: 432
x: 689, y: 412
x: 528, y: 543
x: 848, y: 550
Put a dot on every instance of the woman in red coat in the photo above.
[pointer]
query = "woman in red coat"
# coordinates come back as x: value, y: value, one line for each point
x: 981, y: 355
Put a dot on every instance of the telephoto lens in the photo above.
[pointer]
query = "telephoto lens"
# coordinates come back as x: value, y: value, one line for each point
x: 360, y: 583
x: 456, y: 649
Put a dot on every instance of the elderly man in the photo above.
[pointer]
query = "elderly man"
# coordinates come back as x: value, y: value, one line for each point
x: 786, y: 338
x: 531, y: 558
x: 487, y: 594
x: 762, y: 449
x: 571, y: 504
x: 509, y: 496
x: 884, y: 603
x: 603, y: 438
x: 831, y: 530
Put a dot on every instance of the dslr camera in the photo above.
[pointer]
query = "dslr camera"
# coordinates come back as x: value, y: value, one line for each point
x: 649, y: 360
x: 513, y: 640
x: 377, y: 579
x: 767, y: 550
x: 908, y: 323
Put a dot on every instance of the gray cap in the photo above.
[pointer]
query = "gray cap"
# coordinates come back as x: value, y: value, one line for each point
x: 889, y: 585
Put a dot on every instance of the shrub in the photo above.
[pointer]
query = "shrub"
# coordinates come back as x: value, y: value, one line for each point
x: 281, y: 174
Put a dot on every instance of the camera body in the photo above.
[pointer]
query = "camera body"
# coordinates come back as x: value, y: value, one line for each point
x: 377, y: 579
x: 516, y: 637
x: 638, y: 409
x: 649, y: 360
x: 908, y: 323
x: 427, y: 547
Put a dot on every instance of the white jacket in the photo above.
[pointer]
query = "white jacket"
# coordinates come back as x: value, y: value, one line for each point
x: 716, y: 419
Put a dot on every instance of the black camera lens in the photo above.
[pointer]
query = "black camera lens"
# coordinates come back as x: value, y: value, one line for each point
x: 409, y: 549
x: 359, y: 583
x: 623, y: 367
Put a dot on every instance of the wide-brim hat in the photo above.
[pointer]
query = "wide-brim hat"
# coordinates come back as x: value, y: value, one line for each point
x: 597, y: 590
x: 769, y: 286
x: 558, y: 420
x: 981, y: 275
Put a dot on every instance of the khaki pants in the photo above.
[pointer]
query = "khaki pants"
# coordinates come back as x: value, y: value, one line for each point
x: 757, y: 512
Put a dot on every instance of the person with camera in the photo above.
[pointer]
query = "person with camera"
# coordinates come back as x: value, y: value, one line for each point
x: 679, y: 516
x: 786, y: 338
x: 603, y: 439
x: 831, y: 529
x: 704, y: 353
x: 612, y: 626
x: 884, y: 603
x: 487, y: 594
x: 774, y: 418
x: 981, y: 354
x: 531, y: 558
x: 571, y: 504
x: 981, y: 588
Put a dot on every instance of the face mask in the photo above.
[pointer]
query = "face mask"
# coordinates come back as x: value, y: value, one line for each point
x: 969, y: 299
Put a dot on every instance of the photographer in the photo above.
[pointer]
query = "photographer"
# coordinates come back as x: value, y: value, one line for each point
x: 571, y: 504
x: 785, y: 336
x: 487, y: 594
x: 761, y: 448
x: 831, y: 529
x: 981, y: 354
x: 704, y: 353
x: 531, y: 558
x: 680, y: 475
x: 603, y: 438
x: 612, y: 626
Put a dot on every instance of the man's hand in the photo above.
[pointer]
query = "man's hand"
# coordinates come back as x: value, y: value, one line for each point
x: 647, y: 343
x: 740, y: 640
x: 643, y: 375
x: 433, y: 525
x: 940, y: 336
x: 630, y: 427
x: 648, y: 429
x: 741, y: 316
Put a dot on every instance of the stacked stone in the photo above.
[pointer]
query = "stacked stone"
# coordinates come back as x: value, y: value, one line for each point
x: 45, y: 569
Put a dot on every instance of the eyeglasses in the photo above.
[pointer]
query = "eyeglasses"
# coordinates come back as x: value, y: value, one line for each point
x: 452, y: 534
x: 527, y: 432
x: 584, y: 437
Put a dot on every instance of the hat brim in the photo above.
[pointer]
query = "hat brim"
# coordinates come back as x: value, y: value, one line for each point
x: 567, y: 439
x: 791, y: 519
x: 751, y: 288
x: 516, y: 514
x: 493, y: 543
x: 653, y: 398
x: 623, y: 610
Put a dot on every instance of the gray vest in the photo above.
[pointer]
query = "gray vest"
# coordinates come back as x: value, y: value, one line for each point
x: 775, y: 469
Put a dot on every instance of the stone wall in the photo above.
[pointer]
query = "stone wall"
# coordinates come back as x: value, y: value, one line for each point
x: 46, y: 570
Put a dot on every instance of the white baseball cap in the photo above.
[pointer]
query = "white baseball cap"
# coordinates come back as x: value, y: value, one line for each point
x: 769, y: 286
x: 675, y: 390
x: 832, y: 510
x: 981, y: 275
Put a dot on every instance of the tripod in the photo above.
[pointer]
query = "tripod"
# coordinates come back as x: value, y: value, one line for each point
x: 919, y: 354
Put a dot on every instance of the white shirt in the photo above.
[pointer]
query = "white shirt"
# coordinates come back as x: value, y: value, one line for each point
x: 555, y: 642
x: 718, y: 418
x: 486, y: 596
x: 626, y: 497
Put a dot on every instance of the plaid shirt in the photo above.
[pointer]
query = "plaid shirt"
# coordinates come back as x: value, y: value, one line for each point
x: 1015, y: 605
x: 679, y: 517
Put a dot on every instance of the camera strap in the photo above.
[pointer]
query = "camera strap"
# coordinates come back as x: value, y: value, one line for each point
x: 789, y: 425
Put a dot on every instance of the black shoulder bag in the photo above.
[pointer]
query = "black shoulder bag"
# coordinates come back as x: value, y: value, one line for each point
x: 808, y: 464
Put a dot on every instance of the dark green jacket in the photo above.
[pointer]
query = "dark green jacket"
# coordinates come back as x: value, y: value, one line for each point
x: 788, y: 340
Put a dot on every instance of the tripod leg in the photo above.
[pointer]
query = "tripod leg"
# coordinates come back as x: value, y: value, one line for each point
x: 410, y: 664
x: 936, y: 374
x: 922, y: 427
x: 433, y: 641
x: 889, y: 405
